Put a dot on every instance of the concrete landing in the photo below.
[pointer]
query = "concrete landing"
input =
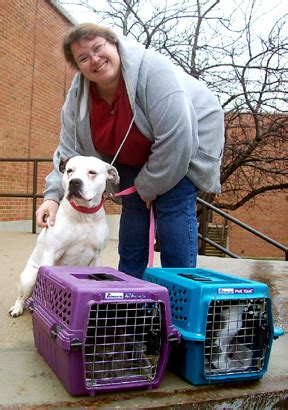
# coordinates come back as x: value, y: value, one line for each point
x: 27, y: 382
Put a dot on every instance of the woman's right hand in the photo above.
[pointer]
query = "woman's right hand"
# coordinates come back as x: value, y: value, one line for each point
x: 47, y: 210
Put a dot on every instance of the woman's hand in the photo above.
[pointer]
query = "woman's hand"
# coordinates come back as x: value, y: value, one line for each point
x: 47, y: 210
x: 147, y: 202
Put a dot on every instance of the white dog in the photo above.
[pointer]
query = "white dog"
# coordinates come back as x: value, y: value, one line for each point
x: 80, y: 232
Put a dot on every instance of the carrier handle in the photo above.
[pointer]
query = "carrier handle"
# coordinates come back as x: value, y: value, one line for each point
x: 104, y: 276
x: 196, y: 278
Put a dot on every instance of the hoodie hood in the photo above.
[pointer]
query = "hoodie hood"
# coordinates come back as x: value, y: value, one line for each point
x: 131, y: 55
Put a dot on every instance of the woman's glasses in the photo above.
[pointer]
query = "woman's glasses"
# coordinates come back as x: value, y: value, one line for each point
x: 86, y: 59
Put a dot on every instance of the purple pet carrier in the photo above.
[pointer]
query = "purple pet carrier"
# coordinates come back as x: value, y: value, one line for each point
x: 101, y: 330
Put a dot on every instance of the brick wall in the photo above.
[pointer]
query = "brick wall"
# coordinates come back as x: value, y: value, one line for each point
x: 34, y: 82
x: 267, y: 215
x: 267, y: 212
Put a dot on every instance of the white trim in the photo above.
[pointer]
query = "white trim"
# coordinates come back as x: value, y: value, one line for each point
x: 63, y: 11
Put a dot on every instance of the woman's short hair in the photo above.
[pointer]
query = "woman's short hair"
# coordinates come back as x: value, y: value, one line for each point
x: 85, y: 31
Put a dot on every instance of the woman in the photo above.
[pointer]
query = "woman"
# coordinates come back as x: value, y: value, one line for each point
x: 163, y: 128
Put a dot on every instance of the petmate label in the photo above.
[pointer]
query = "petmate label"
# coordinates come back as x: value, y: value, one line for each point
x: 132, y: 295
x: 235, y: 291
x: 226, y: 291
x: 114, y: 295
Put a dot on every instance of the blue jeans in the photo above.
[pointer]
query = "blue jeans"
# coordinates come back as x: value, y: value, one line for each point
x: 175, y: 217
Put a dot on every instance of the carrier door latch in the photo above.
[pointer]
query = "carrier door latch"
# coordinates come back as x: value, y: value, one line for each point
x: 75, y: 345
x: 262, y: 336
x: 54, y: 331
x: 153, y: 342
x: 174, y: 340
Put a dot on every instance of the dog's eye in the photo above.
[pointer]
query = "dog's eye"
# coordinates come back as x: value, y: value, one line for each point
x: 92, y: 172
x: 69, y: 170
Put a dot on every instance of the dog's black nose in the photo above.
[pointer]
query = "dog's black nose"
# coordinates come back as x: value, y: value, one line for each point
x: 75, y: 182
x: 75, y: 185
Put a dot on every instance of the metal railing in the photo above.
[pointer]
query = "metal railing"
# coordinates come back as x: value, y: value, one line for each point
x: 34, y: 194
x: 204, y: 226
x: 203, y: 234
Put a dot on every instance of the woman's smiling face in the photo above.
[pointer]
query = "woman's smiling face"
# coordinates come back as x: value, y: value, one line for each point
x: 98, y: 60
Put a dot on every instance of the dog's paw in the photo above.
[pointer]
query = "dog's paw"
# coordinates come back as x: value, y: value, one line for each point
x: 16, y: 310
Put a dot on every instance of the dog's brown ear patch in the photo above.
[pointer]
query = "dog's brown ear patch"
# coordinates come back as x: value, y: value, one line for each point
x: 113, y: 174
x: 62, y: 164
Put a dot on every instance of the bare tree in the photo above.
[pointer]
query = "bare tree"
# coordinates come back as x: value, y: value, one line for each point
x: 256, y: 155
x: 247, y: 71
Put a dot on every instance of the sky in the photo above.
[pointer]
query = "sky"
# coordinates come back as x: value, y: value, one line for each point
x: 266, y: 11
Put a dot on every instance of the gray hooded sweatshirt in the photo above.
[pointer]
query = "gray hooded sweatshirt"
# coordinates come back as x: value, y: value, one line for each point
x: 177, y: 113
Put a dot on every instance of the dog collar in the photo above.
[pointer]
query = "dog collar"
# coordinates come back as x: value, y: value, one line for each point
x: 85, y: 210
x: 105, y: 196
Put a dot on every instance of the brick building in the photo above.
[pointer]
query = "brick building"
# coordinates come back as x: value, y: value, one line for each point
x: 34, y: 82
x: 265, y: 165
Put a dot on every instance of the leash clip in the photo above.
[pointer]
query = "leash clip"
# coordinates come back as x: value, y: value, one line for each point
x: 107, y: 195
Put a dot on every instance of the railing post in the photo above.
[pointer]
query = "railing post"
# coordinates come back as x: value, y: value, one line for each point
x: 35, y: 178
x: 203, y: 229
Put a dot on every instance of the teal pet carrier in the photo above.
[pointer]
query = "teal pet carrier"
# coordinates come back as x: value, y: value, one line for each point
x: 225, y: 323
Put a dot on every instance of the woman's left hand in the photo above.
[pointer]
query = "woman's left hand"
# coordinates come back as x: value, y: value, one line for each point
x: 147, y: 202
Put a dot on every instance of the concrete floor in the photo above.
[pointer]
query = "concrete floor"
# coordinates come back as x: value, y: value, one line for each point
x: 27, y: 381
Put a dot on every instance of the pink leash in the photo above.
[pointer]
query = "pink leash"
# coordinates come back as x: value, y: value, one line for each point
x: 151, y: 238
x: 129, y: 191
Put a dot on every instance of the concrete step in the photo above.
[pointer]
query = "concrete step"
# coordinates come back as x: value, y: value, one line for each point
x: 27, y: 382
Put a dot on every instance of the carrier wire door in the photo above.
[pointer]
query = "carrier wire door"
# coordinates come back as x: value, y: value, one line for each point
x: 237, y: 336
x: 122, y: 343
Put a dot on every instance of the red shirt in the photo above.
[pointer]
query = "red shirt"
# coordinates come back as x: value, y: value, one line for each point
x: 109, y: 125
